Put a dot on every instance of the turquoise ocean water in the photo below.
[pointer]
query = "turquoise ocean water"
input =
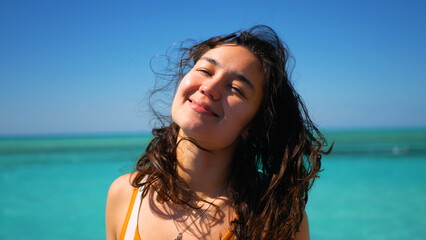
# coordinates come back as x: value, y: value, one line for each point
x: 54, y: 187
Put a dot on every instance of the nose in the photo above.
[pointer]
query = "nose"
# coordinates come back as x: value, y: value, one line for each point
x: 211, y: 88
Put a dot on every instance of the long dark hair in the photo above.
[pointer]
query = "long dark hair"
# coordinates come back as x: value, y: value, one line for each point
x: 273, y: 167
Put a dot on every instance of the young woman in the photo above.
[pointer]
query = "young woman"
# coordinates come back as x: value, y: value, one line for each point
x: 238, y: 157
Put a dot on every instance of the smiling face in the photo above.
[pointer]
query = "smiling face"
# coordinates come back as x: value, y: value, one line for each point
x: 218, y: 98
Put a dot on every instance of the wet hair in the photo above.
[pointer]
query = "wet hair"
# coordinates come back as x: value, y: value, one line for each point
x: 273, y: 167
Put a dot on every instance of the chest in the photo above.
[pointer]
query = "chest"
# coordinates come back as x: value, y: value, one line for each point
x: 163, y: 221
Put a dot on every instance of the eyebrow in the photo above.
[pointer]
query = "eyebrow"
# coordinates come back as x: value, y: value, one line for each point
x: 237, y: 75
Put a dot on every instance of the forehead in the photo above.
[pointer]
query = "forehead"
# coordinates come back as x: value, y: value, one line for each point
x: 234, y: 54
x: 234, y: 58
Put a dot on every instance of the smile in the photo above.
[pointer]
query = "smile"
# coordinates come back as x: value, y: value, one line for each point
x: 201, y: 107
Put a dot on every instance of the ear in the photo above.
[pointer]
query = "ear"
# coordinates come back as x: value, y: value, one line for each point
x: 245, y: 133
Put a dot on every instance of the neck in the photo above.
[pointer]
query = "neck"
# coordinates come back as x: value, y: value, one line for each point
x: 204, y: 172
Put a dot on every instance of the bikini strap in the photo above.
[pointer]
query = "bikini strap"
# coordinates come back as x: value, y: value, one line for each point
x: 131, y: 222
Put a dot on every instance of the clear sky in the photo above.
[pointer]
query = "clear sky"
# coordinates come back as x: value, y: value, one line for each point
x: 83, y: 66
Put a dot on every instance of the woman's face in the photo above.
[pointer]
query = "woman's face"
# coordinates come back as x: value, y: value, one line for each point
x: 218, y: 98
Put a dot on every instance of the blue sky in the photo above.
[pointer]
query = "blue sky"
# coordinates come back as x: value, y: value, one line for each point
x: 83, y: 66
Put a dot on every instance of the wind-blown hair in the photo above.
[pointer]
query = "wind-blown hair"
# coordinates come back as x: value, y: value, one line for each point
x: 273, y: 167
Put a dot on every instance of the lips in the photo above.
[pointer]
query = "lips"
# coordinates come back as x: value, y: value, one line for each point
x: 201, y: 107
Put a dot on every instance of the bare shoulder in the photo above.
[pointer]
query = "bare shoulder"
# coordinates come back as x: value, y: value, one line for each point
x: 119, y: 195
x: 121, y: 186
x: 303, y: 233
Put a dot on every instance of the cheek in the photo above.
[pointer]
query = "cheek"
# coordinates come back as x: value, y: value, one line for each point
x: 186, y: 86
x: 177, y: 102
x: 242, y: 114
x: 181, y: 91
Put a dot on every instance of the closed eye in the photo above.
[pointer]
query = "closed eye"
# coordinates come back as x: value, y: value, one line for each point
x: 237, y: 90
x: 204, y: 71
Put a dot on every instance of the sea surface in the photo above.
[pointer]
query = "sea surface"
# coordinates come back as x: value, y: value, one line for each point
x: 373, y: 185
